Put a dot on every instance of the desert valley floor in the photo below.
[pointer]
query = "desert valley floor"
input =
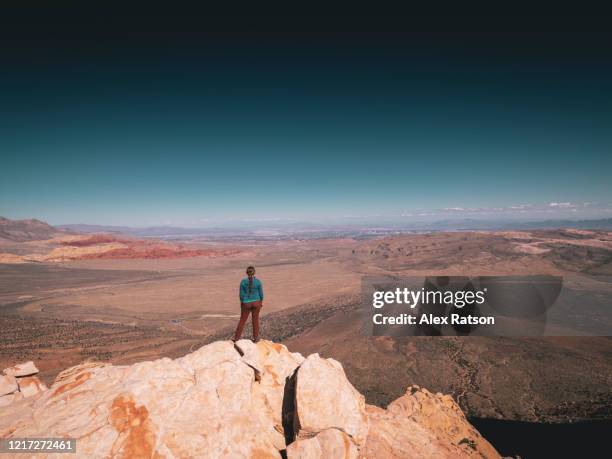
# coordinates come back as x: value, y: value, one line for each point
x: 59, y: 308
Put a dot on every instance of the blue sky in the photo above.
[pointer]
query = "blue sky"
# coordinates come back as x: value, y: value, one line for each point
x: 205, y: 134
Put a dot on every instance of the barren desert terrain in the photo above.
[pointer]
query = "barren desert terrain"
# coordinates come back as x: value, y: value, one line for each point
x: 59, y: 311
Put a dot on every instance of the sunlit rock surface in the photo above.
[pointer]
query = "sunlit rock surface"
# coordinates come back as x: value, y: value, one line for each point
x: 229, y: 400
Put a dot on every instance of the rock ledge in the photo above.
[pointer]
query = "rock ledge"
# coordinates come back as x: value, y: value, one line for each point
x: 231, y: 400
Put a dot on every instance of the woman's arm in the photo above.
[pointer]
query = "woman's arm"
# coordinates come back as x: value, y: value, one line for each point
x: 260, y: 288
x: 242, y: 292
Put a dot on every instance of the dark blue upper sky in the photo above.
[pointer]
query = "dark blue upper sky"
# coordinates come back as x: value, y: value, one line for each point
x: 120, y: 119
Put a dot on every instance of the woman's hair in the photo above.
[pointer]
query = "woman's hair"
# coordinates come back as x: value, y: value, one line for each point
x: 248, y: 270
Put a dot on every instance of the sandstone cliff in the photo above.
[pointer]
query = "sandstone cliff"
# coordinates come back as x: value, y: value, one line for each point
x: 232, y: 401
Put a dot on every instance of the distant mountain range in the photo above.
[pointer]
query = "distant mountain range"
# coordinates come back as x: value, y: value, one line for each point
x: 474, y: 224
x: 152, y: 231
x: 25, y: 230
x: 33, y: 229
x: 295, y: 228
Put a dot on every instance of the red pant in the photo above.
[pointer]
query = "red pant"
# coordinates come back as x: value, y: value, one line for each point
x: 245, y: 309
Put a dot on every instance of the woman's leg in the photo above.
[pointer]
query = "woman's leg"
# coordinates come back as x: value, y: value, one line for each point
x: 244, y: 315
x: 255, y: 316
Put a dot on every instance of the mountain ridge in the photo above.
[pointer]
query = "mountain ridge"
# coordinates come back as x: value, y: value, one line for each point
x: 26, y: 230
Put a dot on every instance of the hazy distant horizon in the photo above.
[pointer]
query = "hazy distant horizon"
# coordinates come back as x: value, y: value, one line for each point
x: 432, y: 219
x: 525, y: 213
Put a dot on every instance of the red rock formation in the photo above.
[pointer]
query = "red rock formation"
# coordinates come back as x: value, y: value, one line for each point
x: 127, y: 248
x: 93, y: 240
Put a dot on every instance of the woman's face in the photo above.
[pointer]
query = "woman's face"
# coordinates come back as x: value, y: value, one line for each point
x: 250, y: 272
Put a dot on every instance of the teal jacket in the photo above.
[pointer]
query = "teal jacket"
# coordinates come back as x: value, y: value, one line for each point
x: 256, y: 292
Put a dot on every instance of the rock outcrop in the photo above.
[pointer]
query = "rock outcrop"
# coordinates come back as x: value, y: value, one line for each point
x: 19, y: 382
x: 326, y: 400
x: 8, y: 385
x: 21, y: 369
x: 229, y: 400
x: 432, y: 424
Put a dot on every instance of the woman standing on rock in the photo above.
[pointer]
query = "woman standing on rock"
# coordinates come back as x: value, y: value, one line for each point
x: 251, y: 298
